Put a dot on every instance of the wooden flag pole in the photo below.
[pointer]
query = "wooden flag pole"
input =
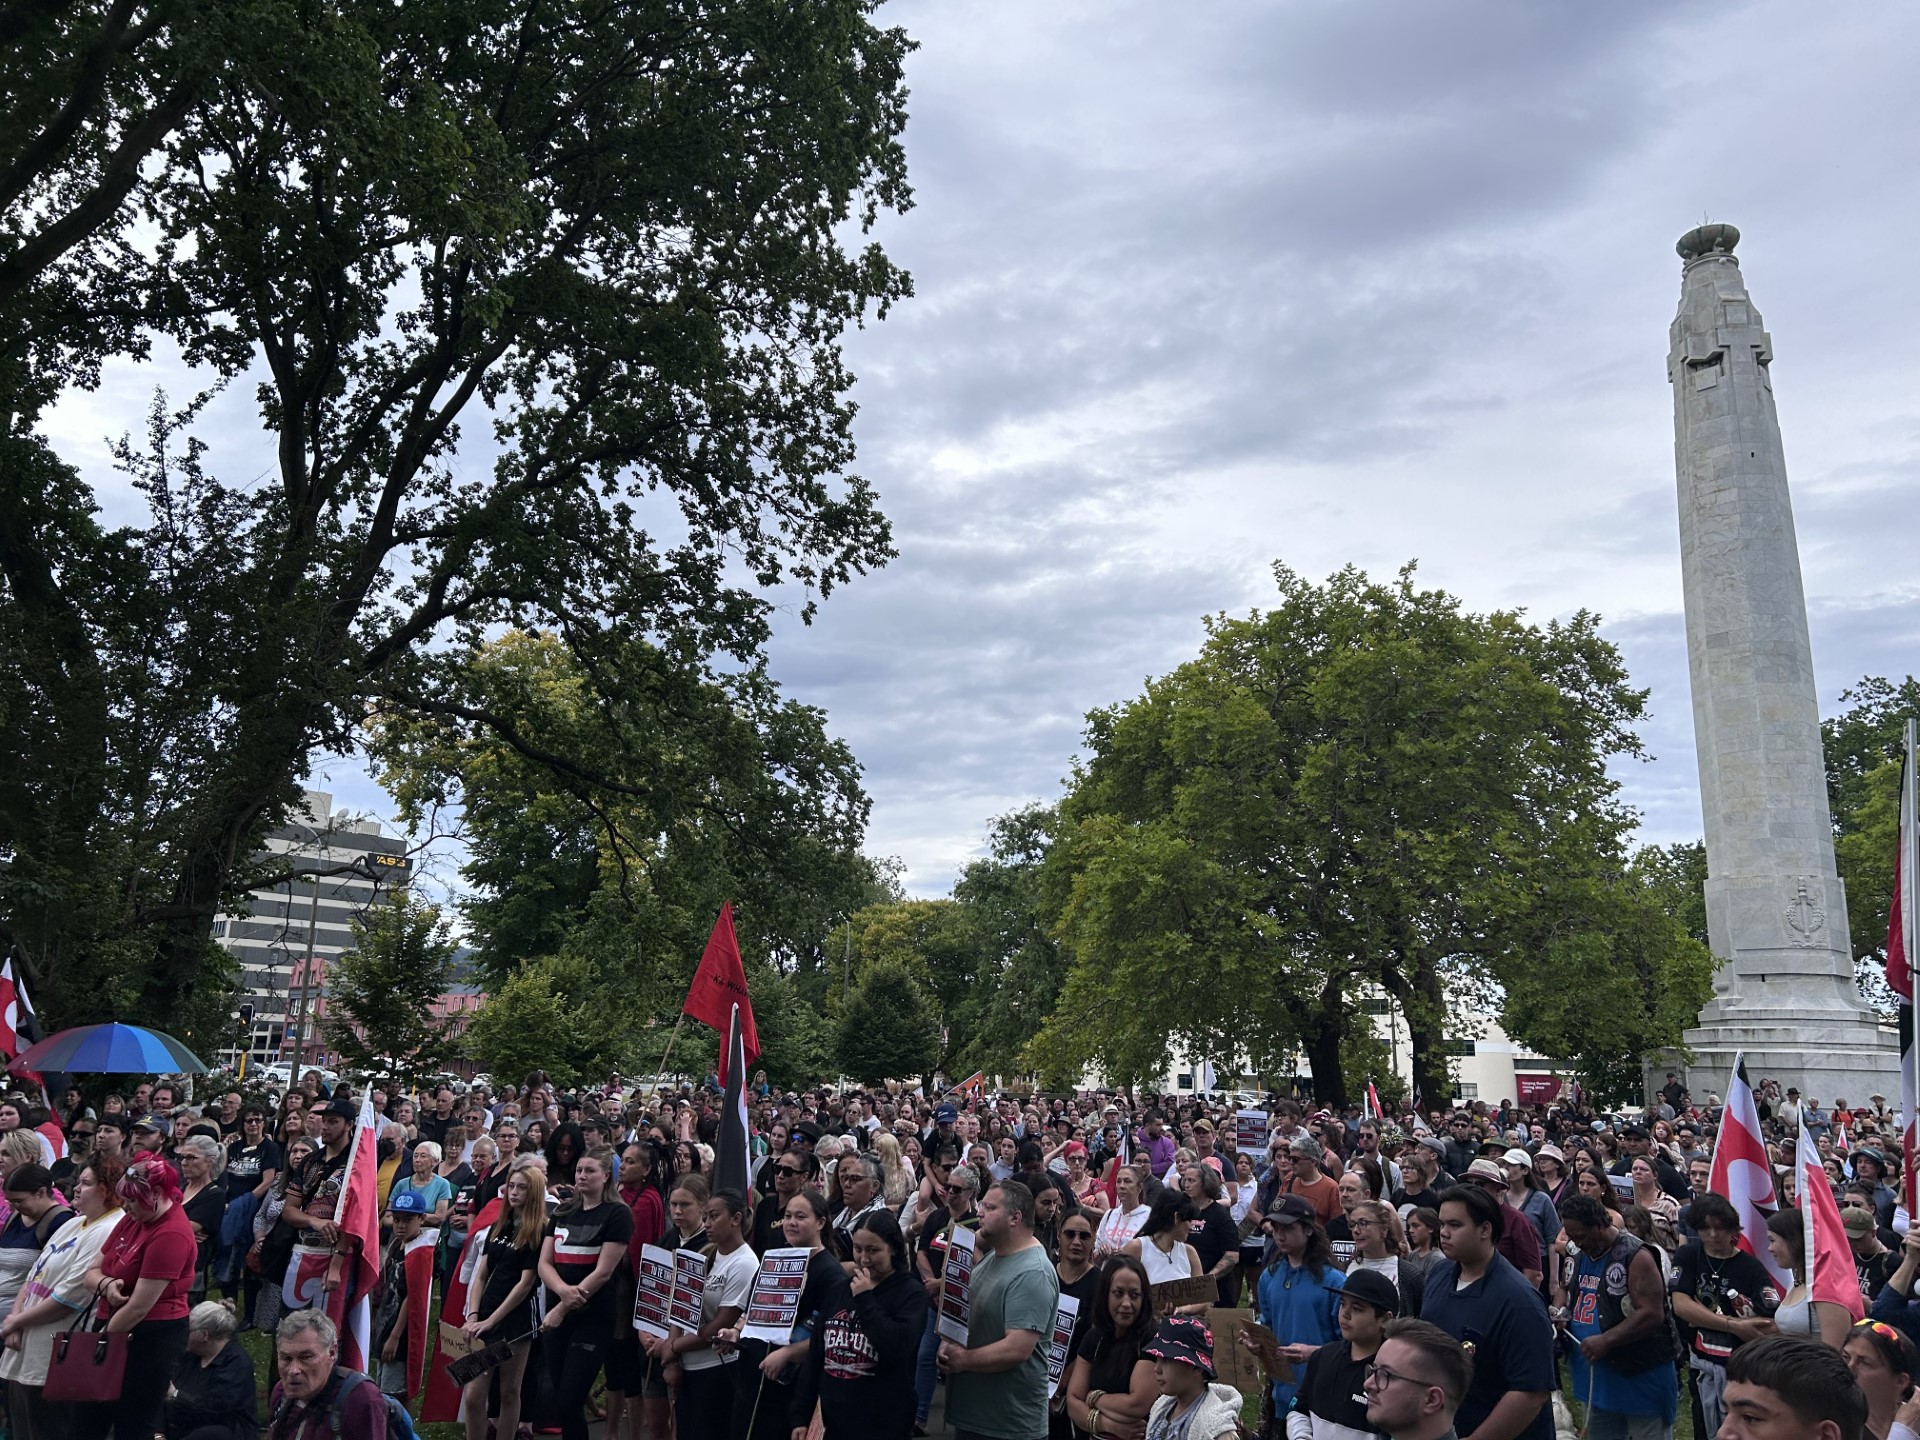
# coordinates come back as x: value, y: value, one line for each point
x: 667, y: 1055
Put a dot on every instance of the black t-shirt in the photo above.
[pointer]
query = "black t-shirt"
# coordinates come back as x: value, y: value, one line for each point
x: 1213, y: 1235
x: 1110, y: 1359
x: 933, y: 1236
x: 1083, y: 1290
x: 244, y: 1164
x: 205, y: 1209
x: 1340, y: 1241
x: 1874, y: 1271
x: 577, y: 1238
x: 1738, y: 1286
x: 1428, y: 1199
x: 1332, y: 1392
x: 506, y: 1263
x: 767, y: 1234
x: 433, y: 1127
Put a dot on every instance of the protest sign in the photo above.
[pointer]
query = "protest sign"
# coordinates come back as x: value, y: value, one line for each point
x: 653, y: 1296
x: 773, y: 1306
x: 1193, y: 1290
x: 689, y: 1284
x: 956, y: 1287
x: 1064, y: 1317
x: 1250, y: 1131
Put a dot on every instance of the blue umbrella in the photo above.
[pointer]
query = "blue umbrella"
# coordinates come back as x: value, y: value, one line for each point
x: 112, y: 1049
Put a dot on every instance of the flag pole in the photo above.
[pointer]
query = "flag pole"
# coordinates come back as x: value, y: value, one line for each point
x: 667, y: 1055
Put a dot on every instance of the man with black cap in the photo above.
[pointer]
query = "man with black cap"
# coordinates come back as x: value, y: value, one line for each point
x: 1331, y: 1403
x: 313, y: 1195
x: 1635, y: 1141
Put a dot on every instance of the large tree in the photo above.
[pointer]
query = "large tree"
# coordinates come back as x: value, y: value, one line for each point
x: 1365, y: 785
x: 381, y: 993
x: 542, y: 306
x: 1863, y: 745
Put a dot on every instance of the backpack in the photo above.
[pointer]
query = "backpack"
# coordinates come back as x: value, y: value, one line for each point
x: 399, y: 1422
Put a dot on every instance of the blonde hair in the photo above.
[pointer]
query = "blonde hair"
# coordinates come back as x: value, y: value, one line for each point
x: 895, y: 1183
x: 22, y: 1147
x: 529, y: 1222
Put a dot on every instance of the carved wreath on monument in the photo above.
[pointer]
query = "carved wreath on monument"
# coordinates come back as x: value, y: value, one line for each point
x: 1806, y: 917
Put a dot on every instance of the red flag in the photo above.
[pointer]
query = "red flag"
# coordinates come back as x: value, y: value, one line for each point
x: 350, y: 1303
x: 1831, y: 1275
x: 1374, y: 1112
x: 974, y: 1087
x: 1743, y: 1173
x: 10, y: 1008
x: 720, y: 984
x: 441, y: 1403
x: 419, y: 1265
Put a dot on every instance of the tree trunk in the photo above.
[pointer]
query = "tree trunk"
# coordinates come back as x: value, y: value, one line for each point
x: 1426, y: 1024
x: 1322, y: 1041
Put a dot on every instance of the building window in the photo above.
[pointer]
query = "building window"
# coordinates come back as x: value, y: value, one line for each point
x: 1372, y: 1006
x: 1459, y: 1047
x: 1469, y: 1090
x: 1186, y: 1082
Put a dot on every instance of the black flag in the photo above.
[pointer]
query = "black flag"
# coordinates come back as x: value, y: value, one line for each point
x: 730, y: 1163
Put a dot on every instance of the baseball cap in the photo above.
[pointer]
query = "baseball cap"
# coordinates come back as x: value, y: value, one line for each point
x: 151, y: 1122
x: 1518, y: 1156
x: 408, y: 1202
x: 1200, y: 1125
x: 344, y: 1108
x: 1290, y: 1210
x: 1374, y: 1288
x: 1184, y: 1340
x: 1858, y: 1220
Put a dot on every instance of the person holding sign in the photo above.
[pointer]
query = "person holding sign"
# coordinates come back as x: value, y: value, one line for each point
x: 705, y: 1410
x: 997, y: 1381
x: 763, y: 1389
x: 860, y: 1361
x: 1162, y: 1244
x: 500, y: 1297
x: 1111, y: 1385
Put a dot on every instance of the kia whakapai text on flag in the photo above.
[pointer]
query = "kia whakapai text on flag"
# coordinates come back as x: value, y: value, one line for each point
x: 719, y: 984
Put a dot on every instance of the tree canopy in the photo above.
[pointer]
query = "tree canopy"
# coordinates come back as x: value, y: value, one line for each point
x: 541, y: 306
x: 1364, y: 786
x: 381, y: 993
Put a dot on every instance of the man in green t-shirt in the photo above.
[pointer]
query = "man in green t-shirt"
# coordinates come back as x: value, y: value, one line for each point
x: 997, y: 1381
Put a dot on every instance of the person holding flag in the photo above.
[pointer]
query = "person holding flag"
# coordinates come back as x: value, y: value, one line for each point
x: 1811, y: 1243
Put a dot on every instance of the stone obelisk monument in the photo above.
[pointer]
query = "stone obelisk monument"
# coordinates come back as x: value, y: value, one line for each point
x: 1776, y: 912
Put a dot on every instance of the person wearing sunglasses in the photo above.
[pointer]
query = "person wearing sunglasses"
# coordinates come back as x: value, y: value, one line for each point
x: 1883, y: 1362
x: 788, y: 1174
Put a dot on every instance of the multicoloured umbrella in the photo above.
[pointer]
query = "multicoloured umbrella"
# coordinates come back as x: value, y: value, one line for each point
x: 111, y: 1049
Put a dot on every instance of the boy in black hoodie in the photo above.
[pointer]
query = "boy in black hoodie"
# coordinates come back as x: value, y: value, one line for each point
x: 860, y: 1367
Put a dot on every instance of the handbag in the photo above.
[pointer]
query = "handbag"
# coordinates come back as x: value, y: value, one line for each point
x: 87, y: 1364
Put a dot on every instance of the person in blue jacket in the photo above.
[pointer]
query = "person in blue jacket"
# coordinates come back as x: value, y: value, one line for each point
x: 1299, y: 1291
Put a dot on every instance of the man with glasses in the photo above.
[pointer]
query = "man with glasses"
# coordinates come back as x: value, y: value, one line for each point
x: 79, y: 1147
x: 1725, y: 1296
x: 1416, y: 1382
x: 1461, y: 1145
x: 1477, y: 1296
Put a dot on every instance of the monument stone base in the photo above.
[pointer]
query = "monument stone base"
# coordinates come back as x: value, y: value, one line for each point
x: 1841, y: 1057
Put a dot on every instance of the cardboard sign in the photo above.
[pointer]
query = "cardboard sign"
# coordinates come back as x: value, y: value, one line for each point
x: 1250, y: 1131
x: 457, y: 1342
x: 773, y: 1306
x: 689, y: 1284
x: 653, y: 1296
x: 1248, y: 1371
x: 1064, y: 1317
x: 956, y: 1287
x: 1194, y: 1290
x: 1623, y: 1187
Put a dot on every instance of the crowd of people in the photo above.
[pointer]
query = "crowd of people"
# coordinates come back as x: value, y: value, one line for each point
x: 1415, y: 1275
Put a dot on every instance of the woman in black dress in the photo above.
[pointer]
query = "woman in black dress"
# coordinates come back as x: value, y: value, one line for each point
x: 500, y: 1296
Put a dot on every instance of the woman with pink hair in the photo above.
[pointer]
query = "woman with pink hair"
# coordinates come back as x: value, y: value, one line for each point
x: 142, y: 1277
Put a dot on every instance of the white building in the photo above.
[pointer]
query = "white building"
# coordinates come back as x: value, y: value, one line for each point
x: 1485, y: 1064
x: 288, y: 935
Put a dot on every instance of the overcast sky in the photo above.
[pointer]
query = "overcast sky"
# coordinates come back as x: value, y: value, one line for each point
x: 1200, y: 288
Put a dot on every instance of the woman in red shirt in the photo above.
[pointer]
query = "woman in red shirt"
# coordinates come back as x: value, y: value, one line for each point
x: 142, y: 1277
